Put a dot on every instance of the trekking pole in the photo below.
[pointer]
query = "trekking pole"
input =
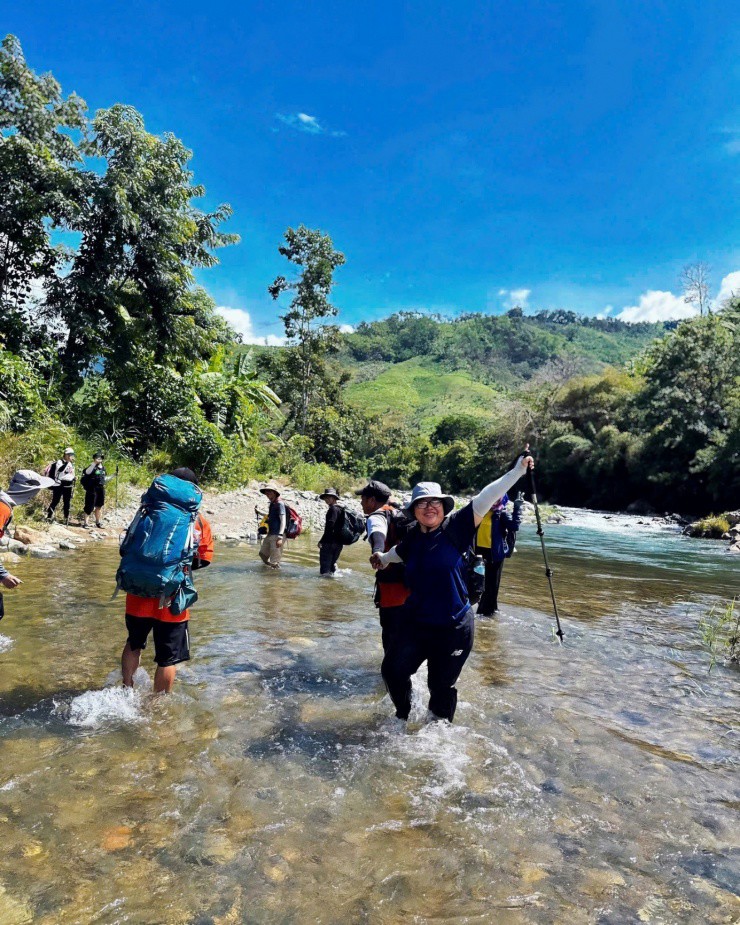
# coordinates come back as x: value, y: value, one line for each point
x: 116, y: 486
x: 541, y: 533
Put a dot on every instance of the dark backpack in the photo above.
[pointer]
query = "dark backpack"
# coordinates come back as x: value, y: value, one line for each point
x: 475, y: 575
x: 353, y: 526
x: 87, y: 480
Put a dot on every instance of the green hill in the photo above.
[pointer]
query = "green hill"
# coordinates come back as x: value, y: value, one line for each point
x: 415, y: 368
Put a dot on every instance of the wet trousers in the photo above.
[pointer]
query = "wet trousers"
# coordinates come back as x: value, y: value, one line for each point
x: 391, y: 623
x: 61, y: 493
x: 445, y: 650
x: 489, y: 600
x: 328, y: 555
x: 270, y: 552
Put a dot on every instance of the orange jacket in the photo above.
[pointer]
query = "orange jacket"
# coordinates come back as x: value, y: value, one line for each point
x: 6, y: 515
x: 149, y: 606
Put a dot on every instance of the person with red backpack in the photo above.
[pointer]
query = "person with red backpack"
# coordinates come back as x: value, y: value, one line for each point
x: 386, y: 526
x: 278, y: 526
x: 166, y: 542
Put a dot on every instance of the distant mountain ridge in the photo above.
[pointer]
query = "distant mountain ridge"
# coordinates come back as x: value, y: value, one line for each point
x: 415, y: 368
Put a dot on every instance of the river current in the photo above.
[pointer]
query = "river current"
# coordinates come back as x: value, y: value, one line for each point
x: 594, y: 783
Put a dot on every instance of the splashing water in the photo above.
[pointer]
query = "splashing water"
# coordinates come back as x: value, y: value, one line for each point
x: 111, y: 706
x: 5, y: 643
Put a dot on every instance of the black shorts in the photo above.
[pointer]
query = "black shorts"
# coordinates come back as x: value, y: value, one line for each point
x: 171, y: 640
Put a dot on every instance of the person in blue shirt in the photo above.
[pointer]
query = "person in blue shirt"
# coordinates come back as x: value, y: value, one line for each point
x: 439, y: 623
x: 495, y: 541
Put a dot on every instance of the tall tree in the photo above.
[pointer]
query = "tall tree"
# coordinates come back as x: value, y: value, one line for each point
x: 305, y: 321
x: 130, y: 285
x: 41, y: 185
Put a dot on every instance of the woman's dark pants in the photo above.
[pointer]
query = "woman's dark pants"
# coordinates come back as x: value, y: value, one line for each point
x: 328, y: 555
x: 489, y: 601
x: 61, y: 493
x: 445, y: 650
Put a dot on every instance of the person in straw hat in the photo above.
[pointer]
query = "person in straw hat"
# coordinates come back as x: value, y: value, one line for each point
x: 439, y: 624
x: 271, y: 550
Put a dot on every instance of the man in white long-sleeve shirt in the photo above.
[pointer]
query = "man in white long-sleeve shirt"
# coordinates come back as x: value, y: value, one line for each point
x: 439, y: 628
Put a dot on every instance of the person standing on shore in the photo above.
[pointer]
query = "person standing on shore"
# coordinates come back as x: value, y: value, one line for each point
x: 93, y: 481
x: 24, y: 486
x: 438, y: 625
x: 330, y: 544
x: 495, y: 542
x: 271, y: 550
x: 62, y: 471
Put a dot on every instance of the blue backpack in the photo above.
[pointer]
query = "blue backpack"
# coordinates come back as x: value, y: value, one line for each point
x: 158, y: 548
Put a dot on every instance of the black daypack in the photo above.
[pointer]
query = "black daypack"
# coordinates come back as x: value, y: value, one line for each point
x: 353, y: 526
x: 475, y: 575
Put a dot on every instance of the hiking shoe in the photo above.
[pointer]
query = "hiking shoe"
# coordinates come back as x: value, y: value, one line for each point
x: 98, y: 525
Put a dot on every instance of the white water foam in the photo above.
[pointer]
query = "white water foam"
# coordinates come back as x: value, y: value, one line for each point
x: 5, y: 643
x: 112, y: 705
x: 615, y: 523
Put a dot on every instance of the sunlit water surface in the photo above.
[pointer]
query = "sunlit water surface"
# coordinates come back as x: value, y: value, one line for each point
x: 598, y: 782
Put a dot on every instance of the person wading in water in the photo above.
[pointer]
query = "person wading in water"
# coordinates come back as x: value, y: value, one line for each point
x: 438, y: 626
x: 271, y: 550
x: 495, y: 541
x: 386, y: 526
x: 167, y: 622
x: 330, y: 544
x: 24, y: 486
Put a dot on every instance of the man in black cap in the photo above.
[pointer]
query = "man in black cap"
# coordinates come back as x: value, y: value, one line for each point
x: 386, y: 526
x: 330, y: 544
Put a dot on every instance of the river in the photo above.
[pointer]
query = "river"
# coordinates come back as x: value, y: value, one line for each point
x: 597, y: 783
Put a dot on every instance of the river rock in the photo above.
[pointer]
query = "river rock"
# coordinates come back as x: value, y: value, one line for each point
x: 42, y: 552
x: 735, y: 547
x: 116, y: 838
x: 9, y: 558
x: 28, y: 536
x: 733, y: 518
x: 65, y: 544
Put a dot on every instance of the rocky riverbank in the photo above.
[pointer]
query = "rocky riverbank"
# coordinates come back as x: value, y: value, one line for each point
x: 233, y: 519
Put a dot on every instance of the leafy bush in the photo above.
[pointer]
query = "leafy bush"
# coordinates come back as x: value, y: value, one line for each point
x: 21, y: 404
x: 318, y: 476
x: 713, y: 527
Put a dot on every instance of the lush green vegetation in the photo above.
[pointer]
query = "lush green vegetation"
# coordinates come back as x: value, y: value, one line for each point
x: 107, y: 342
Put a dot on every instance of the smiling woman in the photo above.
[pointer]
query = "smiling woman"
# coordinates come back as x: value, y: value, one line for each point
x: 439, y: 624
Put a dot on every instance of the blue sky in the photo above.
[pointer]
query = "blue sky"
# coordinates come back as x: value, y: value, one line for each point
x: 580, y: 153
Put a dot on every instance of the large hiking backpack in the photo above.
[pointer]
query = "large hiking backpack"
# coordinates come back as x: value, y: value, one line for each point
x: 50, y: 471
x: 353, y: 526
x: 293, y: 523
x: 158, y: 548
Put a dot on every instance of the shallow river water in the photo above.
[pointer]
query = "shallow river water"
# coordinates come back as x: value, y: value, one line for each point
x: 598, y: 782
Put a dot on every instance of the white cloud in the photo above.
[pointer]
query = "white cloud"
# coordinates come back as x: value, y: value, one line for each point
x: 656, y: 305
x: 515, y: 297
x: 302, y: 122
x: 241, y: 322
x: 729, y: 287
x: 346, y: 329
